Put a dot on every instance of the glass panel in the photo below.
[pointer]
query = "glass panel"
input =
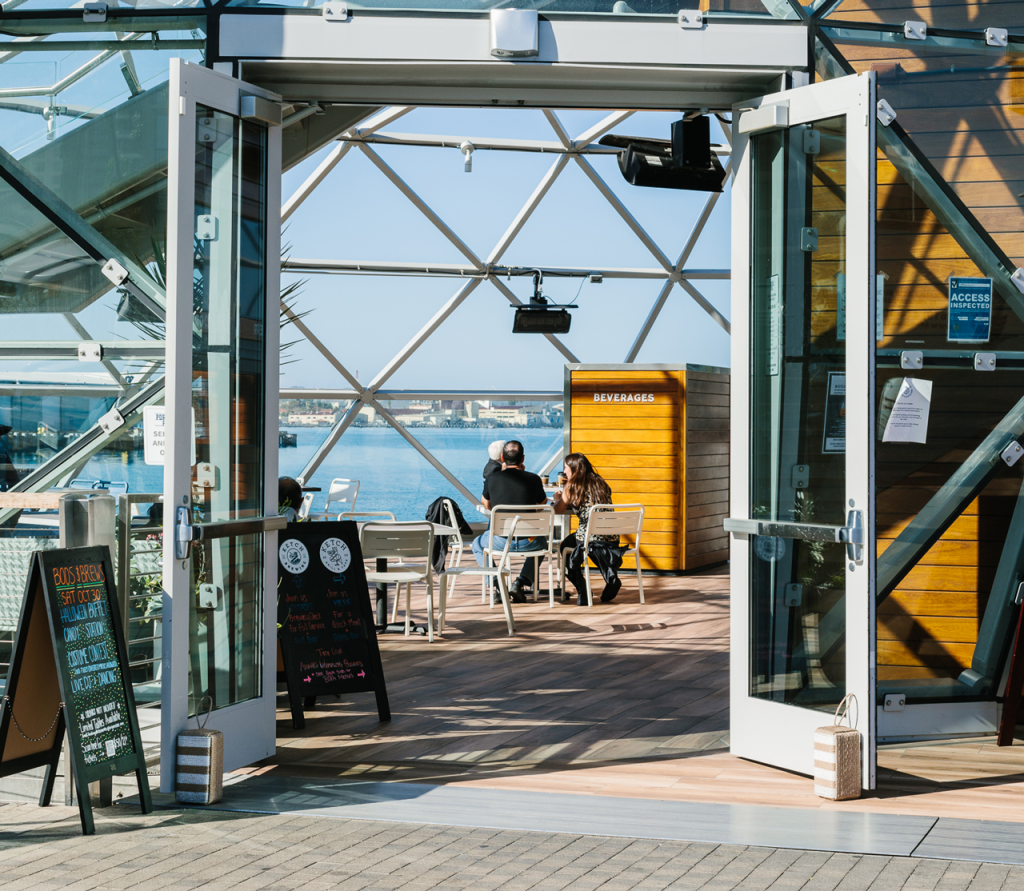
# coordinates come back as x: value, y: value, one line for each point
x: 228, y: 380
x: 935, y: 13
x: 965, y: 112
x: 929, y: 624
x: 798, y: 428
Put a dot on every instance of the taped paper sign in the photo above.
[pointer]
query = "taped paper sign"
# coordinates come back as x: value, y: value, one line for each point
x: 154, y: 434
x: 903, y: 410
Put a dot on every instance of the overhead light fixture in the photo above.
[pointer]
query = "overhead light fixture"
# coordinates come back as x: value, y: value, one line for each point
x: 541, y: 320
x: 686, y: 161
x: 539, y: 316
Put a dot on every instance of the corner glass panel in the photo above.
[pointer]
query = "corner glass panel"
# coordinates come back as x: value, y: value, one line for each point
x: 228, y: 383
x: 798, y: 436
x: 954, y: 16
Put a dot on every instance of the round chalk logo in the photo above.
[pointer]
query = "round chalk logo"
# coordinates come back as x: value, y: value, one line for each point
x: 335, y: 555
x: 294, y: 556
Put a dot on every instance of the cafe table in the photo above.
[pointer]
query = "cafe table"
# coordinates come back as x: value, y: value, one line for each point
x: 382, y: 624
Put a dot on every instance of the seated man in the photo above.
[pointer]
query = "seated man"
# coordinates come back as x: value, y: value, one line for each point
x: 513, y: 485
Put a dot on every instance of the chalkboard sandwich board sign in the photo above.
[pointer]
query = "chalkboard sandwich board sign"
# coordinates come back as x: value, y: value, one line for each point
x: 69, y: 671
x: 325, y: 618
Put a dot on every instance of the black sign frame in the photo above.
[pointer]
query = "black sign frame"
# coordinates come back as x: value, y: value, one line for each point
x: 306, y: 588
x: 53, y: 678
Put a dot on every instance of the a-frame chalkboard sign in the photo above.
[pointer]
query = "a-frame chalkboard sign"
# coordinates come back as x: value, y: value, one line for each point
x: 68, y: 671
x: 325, y: 618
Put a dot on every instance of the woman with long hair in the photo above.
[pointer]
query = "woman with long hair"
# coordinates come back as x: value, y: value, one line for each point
x: 584, y: 487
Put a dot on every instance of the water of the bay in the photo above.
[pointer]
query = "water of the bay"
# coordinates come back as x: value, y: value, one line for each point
x: 392, y: 474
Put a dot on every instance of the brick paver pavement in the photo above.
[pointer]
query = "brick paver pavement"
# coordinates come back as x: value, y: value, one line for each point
x: 171, y: 850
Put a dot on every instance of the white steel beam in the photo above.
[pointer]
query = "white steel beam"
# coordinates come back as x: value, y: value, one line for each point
x: 405, y: 395
x: 527, y: 210
x: 382, y: 119
x: 328, y: 444
x: 480, y: 143
x: 599, y: 129
x: 435, y: 322
x: 556, y: 125
x: 416, y: 444
x: 421, y: 205
x: 515, y: 301
x: 314, y: 179
x: 704, y: 304
x: 620, y: 209
x: 648, y: 324
x: 326, y: 353
x: 458, y: 270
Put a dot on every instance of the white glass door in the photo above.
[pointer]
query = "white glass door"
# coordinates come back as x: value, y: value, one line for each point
x: 220, y: 476
x: 802, y: 523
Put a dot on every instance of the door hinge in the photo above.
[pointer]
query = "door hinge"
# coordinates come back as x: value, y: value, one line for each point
x: 884, y: 111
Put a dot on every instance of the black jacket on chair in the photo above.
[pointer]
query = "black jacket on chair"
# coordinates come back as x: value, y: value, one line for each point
x: 437, y: 514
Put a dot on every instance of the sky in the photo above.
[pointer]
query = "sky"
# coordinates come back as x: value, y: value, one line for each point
x: 357, y: 214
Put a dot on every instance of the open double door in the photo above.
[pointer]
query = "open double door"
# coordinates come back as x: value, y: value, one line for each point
x: 220, y: 471
x: 802, y: 577
x: 803, y: 617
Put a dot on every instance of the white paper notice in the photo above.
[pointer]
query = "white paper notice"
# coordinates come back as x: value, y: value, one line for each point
x: 154, y: 432
x: 908, y: 419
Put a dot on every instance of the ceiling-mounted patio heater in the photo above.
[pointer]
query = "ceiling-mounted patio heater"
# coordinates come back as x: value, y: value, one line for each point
x: 686, y: 161
x: 539, y: 316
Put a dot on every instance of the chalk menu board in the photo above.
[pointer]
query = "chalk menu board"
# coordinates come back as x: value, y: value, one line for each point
x: 327, y: 634
x: 69, y: 671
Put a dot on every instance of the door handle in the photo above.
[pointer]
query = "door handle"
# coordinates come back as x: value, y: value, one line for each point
x: 853, y: 535
x: 784, y: 529
x: 185, y: 532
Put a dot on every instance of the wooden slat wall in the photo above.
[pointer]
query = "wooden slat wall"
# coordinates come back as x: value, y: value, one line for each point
x: 706, y: 505
x: 671, y: 455
x: 635, y: 446
x: 928, y: 627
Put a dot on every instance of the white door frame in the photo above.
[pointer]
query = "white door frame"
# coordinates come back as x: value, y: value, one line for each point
x: 250, y: 727
x: 763, y: 730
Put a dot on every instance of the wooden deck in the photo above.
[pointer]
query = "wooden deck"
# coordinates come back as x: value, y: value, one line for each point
x: 621, y: 699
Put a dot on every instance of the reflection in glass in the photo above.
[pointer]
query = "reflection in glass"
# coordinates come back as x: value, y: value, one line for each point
x: 228, y: 381
x: 797, y: 379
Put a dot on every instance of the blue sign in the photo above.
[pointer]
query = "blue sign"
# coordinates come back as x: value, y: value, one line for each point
x: 970, y: 310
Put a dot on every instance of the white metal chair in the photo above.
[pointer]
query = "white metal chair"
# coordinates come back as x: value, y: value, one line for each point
x: 501, y: 572
x: 305, y: 507
x: 400, y: 541
x: 343, y: 493
x: 456, y: 544
x: 535, y: 520
x: 610, y: 519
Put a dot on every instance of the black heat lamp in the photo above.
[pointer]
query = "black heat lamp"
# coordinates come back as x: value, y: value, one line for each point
x: 686, y: 161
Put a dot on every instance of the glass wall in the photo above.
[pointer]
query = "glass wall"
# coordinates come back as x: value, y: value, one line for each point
x: 83, y: 164
x: 948, y: 223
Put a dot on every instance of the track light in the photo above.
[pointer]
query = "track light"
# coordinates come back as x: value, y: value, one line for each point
x: 467, y: 149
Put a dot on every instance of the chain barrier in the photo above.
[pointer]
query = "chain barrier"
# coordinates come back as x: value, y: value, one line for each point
x: 10, y: 705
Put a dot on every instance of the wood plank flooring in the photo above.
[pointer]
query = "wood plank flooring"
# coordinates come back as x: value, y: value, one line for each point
x: 621, y: 699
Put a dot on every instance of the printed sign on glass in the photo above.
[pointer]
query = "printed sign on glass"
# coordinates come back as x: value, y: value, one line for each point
x: 970, y: 310
x: 834, y: 439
